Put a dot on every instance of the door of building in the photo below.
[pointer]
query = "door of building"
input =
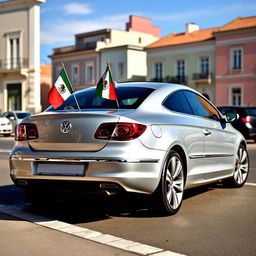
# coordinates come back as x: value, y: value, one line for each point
x: 14, y: 97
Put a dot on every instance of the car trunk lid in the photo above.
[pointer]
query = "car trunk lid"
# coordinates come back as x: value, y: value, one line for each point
x: 70, y: 131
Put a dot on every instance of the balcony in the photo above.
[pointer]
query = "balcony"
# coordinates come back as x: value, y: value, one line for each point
x: 13, y: 64
x: 202, y: 78
x: 176, y: 79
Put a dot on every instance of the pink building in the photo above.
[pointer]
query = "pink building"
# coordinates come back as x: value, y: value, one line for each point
x: 236, y: 62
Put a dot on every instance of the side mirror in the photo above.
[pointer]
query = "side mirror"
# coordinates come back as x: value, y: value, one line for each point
x: 12, y: 118
x: 231, y: 117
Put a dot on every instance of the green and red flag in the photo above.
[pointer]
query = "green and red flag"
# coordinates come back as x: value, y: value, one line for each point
x: 106, y: 86
x: 61, y: 90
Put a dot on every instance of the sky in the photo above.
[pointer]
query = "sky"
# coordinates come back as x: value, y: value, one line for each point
x: 62, y: 19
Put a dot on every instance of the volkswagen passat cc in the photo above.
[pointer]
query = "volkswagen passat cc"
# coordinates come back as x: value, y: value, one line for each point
x: 163, y: 139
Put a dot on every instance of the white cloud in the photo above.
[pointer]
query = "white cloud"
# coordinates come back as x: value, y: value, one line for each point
x: 77, y: 8
x: 63, y: 31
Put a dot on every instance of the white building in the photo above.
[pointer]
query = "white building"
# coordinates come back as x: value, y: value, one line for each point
x: 20, y: 55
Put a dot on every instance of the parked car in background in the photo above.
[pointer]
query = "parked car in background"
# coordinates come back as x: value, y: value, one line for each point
x: 159, y: 140
x: 15, y: 117
x: 5, y: 126
x: 246, y: 122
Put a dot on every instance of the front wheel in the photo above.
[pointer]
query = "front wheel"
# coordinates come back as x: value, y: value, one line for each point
x: 169, y: 194
x: 241, y: 168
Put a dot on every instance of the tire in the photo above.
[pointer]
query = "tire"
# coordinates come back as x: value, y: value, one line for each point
x: 169, y: 194
x: 241, y: 170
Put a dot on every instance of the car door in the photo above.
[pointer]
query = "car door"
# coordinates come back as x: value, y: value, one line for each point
x: 189, y: 133
x: 219, y: 137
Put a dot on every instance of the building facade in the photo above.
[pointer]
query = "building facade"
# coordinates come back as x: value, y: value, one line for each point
x: 187, y: 58
x: 236, y: 63
x: 20, y: 55
x: 86, y: 60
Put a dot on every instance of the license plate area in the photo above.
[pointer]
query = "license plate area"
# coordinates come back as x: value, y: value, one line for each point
x: 60, y: 169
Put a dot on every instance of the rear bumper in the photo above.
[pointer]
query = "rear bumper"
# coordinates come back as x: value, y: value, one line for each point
x: 140, y: 174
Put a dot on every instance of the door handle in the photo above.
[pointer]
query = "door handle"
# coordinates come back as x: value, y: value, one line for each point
x: 206, y: 132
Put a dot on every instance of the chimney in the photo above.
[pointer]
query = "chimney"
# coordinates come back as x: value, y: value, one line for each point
x: 191, y: 27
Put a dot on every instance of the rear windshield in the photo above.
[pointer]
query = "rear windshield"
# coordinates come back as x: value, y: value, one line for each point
x: 250, y: 111
x: 128, y: 98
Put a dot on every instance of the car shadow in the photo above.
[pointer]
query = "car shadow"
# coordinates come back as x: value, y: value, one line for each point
x: 75, y: 211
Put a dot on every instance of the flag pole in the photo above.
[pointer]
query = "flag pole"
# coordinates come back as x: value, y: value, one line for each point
x: 71, y: 87
x: 117, y: 103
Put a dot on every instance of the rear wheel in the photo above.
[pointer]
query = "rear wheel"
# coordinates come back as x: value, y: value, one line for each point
x: 169, y: 195
x: 241, y: 168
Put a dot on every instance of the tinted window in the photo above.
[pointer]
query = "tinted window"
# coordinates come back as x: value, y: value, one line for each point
x: 178, y: 102
x: 201, y: 107
x: 22, y: 115
x: 251, y: 111
x: 128, y: 98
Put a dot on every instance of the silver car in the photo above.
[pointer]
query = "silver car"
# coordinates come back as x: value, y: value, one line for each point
x: 165, y: 138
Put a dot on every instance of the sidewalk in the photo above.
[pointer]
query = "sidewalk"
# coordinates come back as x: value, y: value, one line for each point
x: 19, y: 237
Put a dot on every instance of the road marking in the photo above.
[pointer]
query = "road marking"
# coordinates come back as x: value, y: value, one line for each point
x: 250, y: 184
x: 95, y: 236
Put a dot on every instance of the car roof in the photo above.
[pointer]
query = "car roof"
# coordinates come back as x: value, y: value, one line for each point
x: 154, y: 85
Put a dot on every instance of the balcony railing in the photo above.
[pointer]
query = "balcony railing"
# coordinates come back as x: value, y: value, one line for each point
x: 13, y: 64
x: 202, y: 76
x: 176, y: 79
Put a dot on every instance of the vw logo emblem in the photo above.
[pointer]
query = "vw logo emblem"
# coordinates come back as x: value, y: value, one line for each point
x: 65, y: 126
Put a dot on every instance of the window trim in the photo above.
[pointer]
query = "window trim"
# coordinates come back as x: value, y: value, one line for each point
x: 154, y: 68
x: 119, y: 64
x: 235, y: 86
x: 199, y: 64
x: 73, y: 66
x: 89, y: 64
x: 176, y: 66
x: 231, y: 58
x: 18, y: 55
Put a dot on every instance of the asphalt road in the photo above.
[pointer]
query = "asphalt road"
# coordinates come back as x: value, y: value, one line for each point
x: 213, y: 220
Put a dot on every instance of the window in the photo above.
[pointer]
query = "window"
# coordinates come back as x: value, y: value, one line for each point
x: 201, y: 107
x: 120, y: 69
x: 204, y: 65
x: 74, y: 74
x: 236, y: 58
x: 159, y: 71
x: 89, y: 73
x: 13, y: 51
x: 178, y: 102
x: 180, y: 70
x: 236, y: 96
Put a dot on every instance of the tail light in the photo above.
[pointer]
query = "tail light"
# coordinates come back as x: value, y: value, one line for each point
x: 247, y: 120
x: 119, y: 131
x: 26, y: 132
